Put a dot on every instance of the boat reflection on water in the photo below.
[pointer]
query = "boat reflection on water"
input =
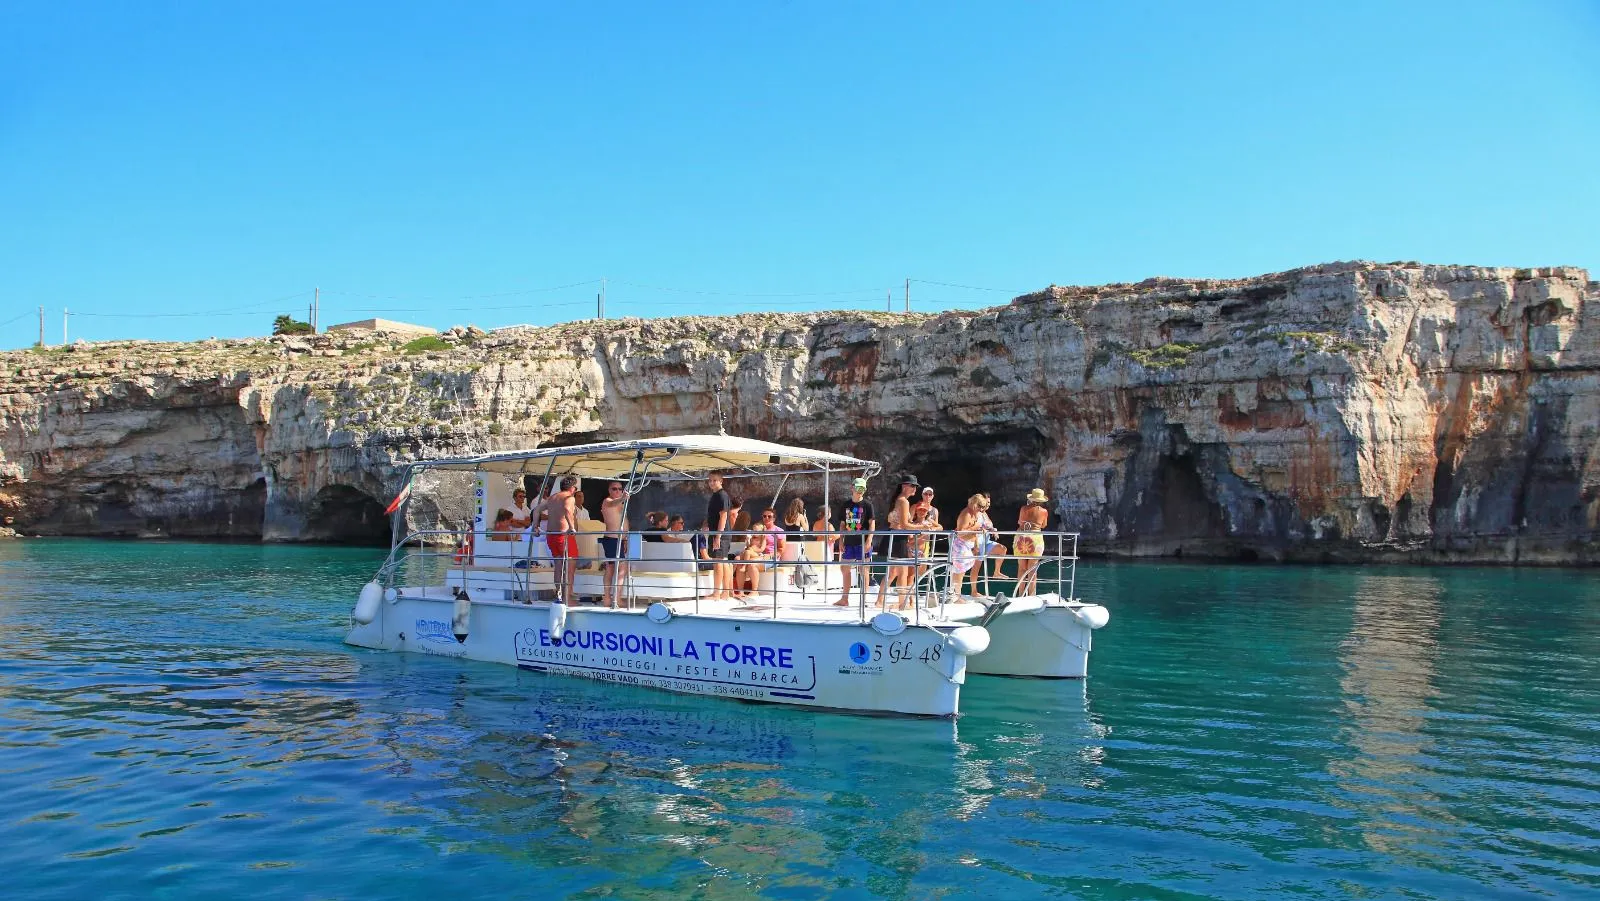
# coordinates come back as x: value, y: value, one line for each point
x: 1031, y: 739
x: 655, y: 788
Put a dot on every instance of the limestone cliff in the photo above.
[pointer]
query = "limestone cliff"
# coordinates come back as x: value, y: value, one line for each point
x: 1341, y: 412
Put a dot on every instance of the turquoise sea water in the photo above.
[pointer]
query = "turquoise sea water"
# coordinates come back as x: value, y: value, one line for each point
x: 182, y: 721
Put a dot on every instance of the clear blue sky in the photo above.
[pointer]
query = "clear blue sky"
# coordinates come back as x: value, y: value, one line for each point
x: 191, y: 157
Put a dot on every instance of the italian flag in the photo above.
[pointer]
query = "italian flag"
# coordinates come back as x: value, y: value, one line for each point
x: 398, y: 499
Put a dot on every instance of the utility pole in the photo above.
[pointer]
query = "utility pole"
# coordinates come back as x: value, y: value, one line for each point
x: 63, y: 326
x: 600, y: 300
x: 41, y: 326
x: 908, y: 295
x: 888, y: 300
x: 316, y: 304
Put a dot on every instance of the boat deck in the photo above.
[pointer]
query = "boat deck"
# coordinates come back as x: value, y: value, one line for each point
x: 964, y: 611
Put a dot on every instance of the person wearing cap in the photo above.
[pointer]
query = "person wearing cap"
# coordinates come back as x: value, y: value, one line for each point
x: 930, y: 513
x: 898, y: 572
x: 1029, y: 546
x: 924, y: 516
x: 856, y: 520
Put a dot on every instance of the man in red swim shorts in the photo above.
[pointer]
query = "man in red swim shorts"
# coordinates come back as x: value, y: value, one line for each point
x: 560, y: 525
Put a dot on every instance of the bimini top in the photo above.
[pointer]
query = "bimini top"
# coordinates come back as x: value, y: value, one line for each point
x: 669, y: 458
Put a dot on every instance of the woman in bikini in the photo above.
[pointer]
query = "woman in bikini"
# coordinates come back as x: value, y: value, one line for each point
x: 964, y: 556
x: 900, y: 569
x: 989, y: 544
x: 1029, y: 546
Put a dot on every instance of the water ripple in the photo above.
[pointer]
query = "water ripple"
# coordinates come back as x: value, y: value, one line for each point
x: 175, y: 719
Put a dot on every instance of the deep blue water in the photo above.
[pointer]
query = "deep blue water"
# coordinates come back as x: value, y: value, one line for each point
x: 182, y: 721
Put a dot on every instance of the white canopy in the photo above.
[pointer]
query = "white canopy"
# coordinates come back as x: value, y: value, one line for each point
x: 671, y: 457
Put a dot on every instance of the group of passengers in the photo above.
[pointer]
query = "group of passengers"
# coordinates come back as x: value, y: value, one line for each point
x: 521, y: 521
x: 914, y: 525
x: 735, y: 547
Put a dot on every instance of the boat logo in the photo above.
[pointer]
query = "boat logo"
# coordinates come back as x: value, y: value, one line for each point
x: 860, y: 653
x: 434, y: 630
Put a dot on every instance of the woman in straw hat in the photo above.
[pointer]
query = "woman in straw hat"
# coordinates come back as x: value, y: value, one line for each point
x: 1029, y: 546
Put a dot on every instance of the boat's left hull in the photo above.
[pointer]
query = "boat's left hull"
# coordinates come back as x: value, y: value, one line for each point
x: 838, y: 665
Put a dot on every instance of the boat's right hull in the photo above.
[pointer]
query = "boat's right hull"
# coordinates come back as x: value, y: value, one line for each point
x: 1049, y: 641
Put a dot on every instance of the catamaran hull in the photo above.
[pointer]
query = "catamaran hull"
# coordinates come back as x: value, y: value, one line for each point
x: 838, y: 665
x: 1042, y: 638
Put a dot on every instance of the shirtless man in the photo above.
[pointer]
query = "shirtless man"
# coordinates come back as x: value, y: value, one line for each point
x: 561, y: 526
x: 613, y: 542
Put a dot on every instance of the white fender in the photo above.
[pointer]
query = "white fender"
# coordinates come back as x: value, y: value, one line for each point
x: 558, y: 620
x: 888, y: 624
x: 463, y: 613
x: 367, y: 604
x: 1092, y: 615
x: 970, y: 640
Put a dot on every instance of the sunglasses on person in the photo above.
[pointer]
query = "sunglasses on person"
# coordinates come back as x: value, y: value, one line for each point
x: 615, y: 488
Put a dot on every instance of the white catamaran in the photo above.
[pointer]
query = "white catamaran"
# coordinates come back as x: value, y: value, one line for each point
x: 494, y: 597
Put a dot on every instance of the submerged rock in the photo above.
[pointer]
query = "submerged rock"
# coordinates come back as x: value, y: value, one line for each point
x: 1349, y: 411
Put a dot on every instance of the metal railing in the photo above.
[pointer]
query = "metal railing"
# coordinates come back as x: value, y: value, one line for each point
x: 918, y: 569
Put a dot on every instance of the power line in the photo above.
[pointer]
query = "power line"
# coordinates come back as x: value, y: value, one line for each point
x: 847, y: 299
x: 248, y: 309
x: 774, y: 302
x: 741, y: 294
x: 924, y: 281
x: 592, y: 281
x: 547, y: 306
x: 171, y: 315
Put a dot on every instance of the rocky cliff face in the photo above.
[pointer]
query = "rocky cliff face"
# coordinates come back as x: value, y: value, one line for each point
x: 1340, y: 412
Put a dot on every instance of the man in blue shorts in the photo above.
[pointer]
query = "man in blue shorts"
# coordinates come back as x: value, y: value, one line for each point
x: 614, y: 542
x: 855, y: 546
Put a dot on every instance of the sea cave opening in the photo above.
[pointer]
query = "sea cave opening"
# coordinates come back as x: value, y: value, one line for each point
x: 340, y: 514
x: 1006, y: 465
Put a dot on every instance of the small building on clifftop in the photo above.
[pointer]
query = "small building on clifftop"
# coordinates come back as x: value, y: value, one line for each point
x: 383, y: 325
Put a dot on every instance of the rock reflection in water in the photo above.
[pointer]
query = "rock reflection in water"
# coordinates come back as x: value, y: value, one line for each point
x: 1389, y: 661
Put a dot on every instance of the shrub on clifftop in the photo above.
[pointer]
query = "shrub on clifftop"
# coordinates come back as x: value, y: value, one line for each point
x: 287, y: 325
x: 424, y: 344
